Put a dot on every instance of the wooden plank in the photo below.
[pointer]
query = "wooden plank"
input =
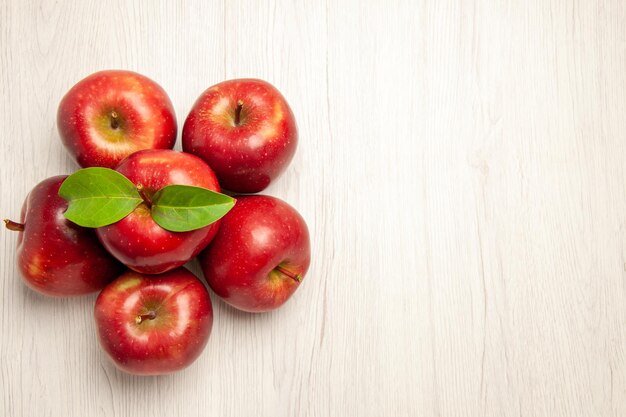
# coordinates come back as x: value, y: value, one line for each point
x: 461, y: 169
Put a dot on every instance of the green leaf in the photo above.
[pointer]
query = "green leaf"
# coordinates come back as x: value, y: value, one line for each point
x: 98, y: 197
x: 181, y: 208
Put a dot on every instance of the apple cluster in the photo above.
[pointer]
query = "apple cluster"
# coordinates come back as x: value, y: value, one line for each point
x: 133, y: 216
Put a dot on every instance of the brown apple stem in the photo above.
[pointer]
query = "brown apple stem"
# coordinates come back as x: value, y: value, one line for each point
x: 115, y: 123
x: 15, y: 226
x: 143, y: 317
x: 295, y: 277
x: 142, y: 192
x: 238, y: 112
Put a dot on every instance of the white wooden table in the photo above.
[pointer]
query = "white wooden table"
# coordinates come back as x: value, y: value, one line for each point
x: 462, y: 171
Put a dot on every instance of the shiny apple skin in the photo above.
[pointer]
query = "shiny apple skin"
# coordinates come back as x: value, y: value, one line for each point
x: 169, y: 341
x: 55, y: 256
x: 144, y: 118
x: 137, y: 240
x: 258, y: 234
x: 246, y: 157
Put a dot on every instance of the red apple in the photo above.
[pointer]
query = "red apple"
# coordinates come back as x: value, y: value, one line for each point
x: 111, y: 114
x: 245, y: 130
x: 154, y: 324
x: 259, y: 255
x: 137, y: 240
x: 55, y: 256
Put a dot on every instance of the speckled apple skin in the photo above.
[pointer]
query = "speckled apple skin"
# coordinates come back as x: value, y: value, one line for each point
x: 168, y: 342
x: 246, y: 157
x: 137, y: 240
x: 55, y: 256
x: 257, y: 235
x: 145, y: 118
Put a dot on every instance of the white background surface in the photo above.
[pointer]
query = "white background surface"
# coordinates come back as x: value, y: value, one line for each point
x: 461, y: 169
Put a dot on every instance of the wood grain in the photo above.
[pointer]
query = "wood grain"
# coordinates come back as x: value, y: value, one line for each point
x: 461, y: 169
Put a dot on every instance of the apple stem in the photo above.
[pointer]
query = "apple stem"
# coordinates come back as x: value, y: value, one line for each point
x: 295, y: 277
x: 114, y: 122
x: 143, y: 317
x: 11, y: 225
x: 142, y: 192
x: 238, y: 112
